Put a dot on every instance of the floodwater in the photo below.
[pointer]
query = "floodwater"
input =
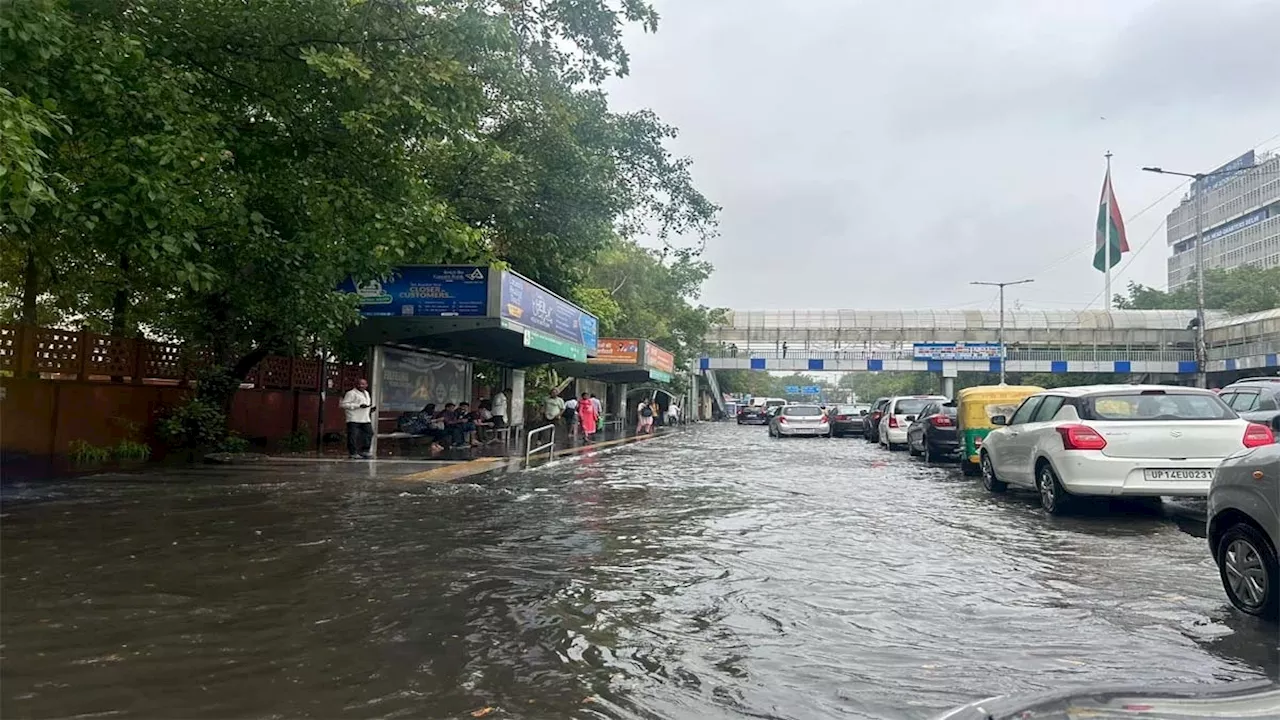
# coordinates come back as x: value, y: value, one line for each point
x: 713, y: 574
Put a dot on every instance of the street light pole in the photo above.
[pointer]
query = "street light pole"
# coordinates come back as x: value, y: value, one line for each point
x: 1197, y: 196
x: 1000, y: 337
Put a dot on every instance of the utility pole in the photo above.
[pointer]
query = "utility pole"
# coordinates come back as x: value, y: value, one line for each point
x: 1002, y: 286
x: 1197, y: 198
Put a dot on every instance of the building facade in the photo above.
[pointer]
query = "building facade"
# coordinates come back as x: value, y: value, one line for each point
x: 1241, y: 220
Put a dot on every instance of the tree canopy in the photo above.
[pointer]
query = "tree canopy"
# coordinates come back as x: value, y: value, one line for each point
x: 1245, y: 289
x: 210, y: 171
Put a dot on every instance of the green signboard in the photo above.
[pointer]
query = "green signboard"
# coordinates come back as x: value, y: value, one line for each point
x: 556, y: 346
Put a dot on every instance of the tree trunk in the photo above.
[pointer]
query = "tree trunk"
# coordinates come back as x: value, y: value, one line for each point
x: 120, y: 300
x: 30, y: 289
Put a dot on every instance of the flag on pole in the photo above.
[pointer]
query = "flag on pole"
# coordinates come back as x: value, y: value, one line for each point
x: 1110, y: 229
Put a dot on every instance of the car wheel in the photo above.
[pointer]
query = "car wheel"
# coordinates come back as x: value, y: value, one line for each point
x: 1247, y: 565
x: 989, y: 479
x: 1053, y: 497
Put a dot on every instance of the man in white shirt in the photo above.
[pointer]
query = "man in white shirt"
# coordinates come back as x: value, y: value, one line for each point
x: 552, y: 407
x: 358, y: 407
x: 673, y: 413
x: 500, y: 409
x: 599, y: 406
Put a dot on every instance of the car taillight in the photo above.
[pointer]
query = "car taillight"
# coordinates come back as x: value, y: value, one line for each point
x: 977, y: 442
x: 1256, y: 435
x: 842, y: 417
x: 941, y: 421
x: 782, y: 421
x: 893, y: 421
x: 1080, y: 437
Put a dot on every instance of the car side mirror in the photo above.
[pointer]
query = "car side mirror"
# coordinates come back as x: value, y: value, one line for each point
x: 911, y: 418
x: 999, y: 420
x: 862, y: 412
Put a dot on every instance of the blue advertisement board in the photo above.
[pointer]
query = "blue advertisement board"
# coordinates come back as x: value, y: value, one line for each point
x: 426, y: 291
x: 956, y: 351
x: 535, y: 307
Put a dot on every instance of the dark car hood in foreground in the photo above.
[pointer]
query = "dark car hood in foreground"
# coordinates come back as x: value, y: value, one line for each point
x: 1254, y: 699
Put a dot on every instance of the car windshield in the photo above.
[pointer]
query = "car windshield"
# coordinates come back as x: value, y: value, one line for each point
x: 802, y: 411
x: 1155, y: 406
x: 910, y: 406
x: 775, y: 403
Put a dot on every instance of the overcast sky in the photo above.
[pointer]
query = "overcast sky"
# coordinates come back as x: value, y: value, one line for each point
x: 883, y: 153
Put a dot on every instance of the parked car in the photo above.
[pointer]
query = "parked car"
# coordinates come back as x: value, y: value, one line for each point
x: 871, y: 428
x: 1115, y: 440
x: 1255, y: 399
x: 799, y: 420
x: 933, y: 432
x: 1244, y: 529
x: 977, y: 405
x: 847, y: 419
x: 898, y: 414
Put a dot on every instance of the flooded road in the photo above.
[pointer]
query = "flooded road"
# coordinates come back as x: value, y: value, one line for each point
x: 714, y: 574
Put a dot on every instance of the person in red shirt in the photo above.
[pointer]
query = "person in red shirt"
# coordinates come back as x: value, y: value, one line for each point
x: 588, y: 416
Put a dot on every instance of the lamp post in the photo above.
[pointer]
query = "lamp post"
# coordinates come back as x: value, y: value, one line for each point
x: 1197, y: 197
x: 1000, y: 337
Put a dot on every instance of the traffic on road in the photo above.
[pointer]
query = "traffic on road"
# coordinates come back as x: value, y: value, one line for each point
x: 1072, y: 446
x: 713, y: 573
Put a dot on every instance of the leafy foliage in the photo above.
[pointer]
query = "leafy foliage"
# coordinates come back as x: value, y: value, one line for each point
x: 210, y: 171
x: 1242, y: 290
x: 84, y: 453
x: 195, y: 424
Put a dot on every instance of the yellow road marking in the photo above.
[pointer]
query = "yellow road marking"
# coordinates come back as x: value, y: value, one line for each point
x: 450, y: 473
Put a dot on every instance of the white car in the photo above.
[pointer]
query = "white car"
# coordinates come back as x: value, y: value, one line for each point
x: 794, y: 420
x: 898, y: 415
x: 1114, y: 440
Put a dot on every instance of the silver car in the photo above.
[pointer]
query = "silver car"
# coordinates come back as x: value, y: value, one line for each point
x: 1244, y: 521
x: 793, y: 420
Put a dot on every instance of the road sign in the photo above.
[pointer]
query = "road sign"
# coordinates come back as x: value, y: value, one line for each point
x: 811, y: 390
x: 792, y: 389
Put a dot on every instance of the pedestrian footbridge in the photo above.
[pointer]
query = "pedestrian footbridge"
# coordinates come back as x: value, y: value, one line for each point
x: 1136, y: 342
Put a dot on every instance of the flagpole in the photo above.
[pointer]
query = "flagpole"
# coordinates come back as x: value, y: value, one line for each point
x: 1106, y: 239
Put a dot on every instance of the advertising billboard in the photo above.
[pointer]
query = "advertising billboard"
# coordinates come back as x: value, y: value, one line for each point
x: 534, y: 307
x: 659, y: 359
x: 956, y: 351
x: 425, y: 291
x: 620, y: 351
x: 410, y: 380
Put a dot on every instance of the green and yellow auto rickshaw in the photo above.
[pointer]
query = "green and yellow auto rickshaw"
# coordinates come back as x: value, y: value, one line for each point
x: 975, y: 408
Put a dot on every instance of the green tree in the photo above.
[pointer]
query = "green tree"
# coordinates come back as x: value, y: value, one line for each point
x: 1242, y: 290
x: 210, y: 171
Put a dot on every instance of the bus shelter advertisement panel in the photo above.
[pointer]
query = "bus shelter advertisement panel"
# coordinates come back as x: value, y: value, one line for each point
x: 426, y: 291
x: 956, y: 351
x: 533, y: 306
x: 618, y: 351
x: 659, y: 359
x: 410, y: 380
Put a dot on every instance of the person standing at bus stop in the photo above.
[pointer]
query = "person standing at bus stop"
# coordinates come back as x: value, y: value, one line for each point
x: 357, y: 405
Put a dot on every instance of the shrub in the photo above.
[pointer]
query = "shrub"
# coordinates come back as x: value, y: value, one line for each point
x: 194, y: 424
x: 298, y: 440
x: 83, y: 453
x: 232, y: 443
x: 132, y: 450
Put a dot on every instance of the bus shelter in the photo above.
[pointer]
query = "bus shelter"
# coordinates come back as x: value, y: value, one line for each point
x: 422, y: 320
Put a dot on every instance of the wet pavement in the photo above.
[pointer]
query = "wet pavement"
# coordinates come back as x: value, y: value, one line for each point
x: 710, y: 574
